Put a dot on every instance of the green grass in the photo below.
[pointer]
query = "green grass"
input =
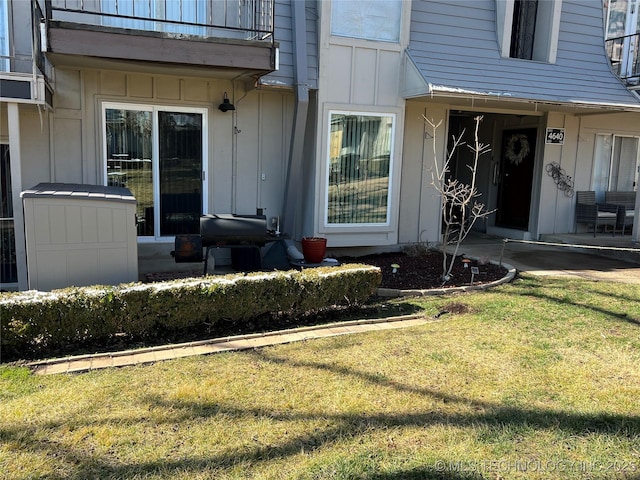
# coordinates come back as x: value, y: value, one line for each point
x: 539, y: 379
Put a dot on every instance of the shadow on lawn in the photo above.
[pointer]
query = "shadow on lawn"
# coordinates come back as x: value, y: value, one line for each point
x: 524, y: 289
x: 81, y: 462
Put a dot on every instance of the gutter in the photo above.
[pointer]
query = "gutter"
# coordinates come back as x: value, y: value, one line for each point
x: 291, y: 218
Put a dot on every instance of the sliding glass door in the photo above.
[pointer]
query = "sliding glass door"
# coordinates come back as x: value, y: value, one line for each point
x: 180, y: 172
x: 8, y: 266
x: 158, y: 153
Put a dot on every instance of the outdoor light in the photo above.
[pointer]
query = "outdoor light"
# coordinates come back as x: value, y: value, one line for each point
x: 226, y: 105
x: 394, y: 268
x: 466, y: 262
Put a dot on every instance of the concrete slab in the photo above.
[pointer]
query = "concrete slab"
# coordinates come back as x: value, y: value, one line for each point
x: 569, y: 260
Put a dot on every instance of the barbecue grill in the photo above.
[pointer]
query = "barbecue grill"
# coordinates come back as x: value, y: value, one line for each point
x: 248, y: 232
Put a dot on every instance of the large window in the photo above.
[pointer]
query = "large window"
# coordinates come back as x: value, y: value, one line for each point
x: 359, y: 168
x: 616, y: 164
x: 158, y: 155
x: 366, y: 19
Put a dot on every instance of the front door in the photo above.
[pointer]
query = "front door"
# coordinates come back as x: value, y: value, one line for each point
x: 516, y: 178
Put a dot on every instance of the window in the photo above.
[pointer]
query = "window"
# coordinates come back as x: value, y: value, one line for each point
x: 359, y: 168
x: 529, y: 29
x: 366, y: 19
x: 4, y: 36
x: 523, y: 29
x: 622, y: 18
x: 623, y: 36
x: 616, y: 164
x: 8, y: 269
x: 158, y: 154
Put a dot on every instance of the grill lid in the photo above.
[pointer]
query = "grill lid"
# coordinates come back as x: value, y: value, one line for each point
x: 232, y: 229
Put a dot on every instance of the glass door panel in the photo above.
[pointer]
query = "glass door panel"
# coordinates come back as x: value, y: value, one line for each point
x: 130, y: 160
x: 625, y: 164
x: 8, y: 266
x: 180, y: 172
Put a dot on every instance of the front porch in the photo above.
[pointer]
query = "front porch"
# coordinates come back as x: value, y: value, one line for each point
x: 620, y: 247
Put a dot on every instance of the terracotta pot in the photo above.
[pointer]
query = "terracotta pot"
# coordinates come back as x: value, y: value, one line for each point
x: 313, y: 249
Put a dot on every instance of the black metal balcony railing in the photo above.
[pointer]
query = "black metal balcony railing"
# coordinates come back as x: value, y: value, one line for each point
x: 623, y: 54
x: 241, y: 19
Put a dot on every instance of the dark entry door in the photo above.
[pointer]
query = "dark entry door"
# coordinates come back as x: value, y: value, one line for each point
x: 516, y: 178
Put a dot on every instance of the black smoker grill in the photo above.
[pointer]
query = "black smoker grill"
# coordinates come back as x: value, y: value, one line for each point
x: 247, y: 232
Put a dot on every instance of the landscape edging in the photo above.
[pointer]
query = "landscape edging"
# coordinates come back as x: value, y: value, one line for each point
x: 393, y: 292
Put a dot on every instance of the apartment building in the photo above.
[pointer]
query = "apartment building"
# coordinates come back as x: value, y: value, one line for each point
x: 311, y: 112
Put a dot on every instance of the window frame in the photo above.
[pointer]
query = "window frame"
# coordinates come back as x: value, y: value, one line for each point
x: 155, y: 151
x: 381, y: 226
x: 546, y: 34
x: 597, y: 162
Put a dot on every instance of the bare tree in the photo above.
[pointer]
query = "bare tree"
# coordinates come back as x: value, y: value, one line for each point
x: 460, y: 207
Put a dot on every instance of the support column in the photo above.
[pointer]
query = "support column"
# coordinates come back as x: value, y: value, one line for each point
x: 635, y: 234
x: 294, y: 181
x: 13, y: 115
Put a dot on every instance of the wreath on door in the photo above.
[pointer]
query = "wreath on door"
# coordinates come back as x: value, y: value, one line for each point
x: 517, y: 148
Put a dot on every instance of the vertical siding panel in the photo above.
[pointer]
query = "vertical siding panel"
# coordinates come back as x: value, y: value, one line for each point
x: 364, y: 77
x: 284, y: 36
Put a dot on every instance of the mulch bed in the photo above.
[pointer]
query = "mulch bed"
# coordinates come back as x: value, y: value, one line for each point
x: 424, y: 271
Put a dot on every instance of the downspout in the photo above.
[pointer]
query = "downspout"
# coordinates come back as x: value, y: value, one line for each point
x: 293, y: 185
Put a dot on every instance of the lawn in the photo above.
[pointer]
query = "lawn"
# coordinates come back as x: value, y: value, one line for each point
x: 535, y: 379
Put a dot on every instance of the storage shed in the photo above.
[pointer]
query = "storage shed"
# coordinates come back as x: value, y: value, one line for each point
x: 79, y: 235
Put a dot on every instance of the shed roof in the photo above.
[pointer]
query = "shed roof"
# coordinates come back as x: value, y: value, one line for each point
x: 79, y: 191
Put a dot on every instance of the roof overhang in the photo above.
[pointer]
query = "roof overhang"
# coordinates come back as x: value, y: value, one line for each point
x: 416, y: 87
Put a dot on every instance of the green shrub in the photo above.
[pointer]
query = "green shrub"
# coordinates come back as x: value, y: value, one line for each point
x: 36, y: 323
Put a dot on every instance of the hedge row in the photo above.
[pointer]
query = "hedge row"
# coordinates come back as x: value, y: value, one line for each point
x: 33, y: 323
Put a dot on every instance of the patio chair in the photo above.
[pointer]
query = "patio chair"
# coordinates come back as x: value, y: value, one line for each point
x: 626, y: 202
x: 591, y: 213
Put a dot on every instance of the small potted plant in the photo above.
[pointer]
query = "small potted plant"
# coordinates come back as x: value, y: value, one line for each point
x: 314, y: 249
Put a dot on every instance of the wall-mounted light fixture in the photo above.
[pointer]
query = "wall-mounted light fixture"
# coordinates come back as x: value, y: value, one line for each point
x: 226, y: 105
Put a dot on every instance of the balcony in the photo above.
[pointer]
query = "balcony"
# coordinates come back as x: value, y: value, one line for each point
x: 24, y: 71
x: 224, y: 35
x: 625, y: 61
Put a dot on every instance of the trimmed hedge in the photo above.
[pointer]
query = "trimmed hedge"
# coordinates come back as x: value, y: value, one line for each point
x: 33, y: 323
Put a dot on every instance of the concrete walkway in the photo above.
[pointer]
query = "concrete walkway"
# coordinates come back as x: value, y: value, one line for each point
x: 555, y: 260
x: 531, y: 258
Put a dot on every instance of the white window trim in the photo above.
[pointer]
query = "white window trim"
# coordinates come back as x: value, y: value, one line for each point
x: 154, y: 109
x: 336, y: 227
x: 504, y: 25
x: 612, y: 137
